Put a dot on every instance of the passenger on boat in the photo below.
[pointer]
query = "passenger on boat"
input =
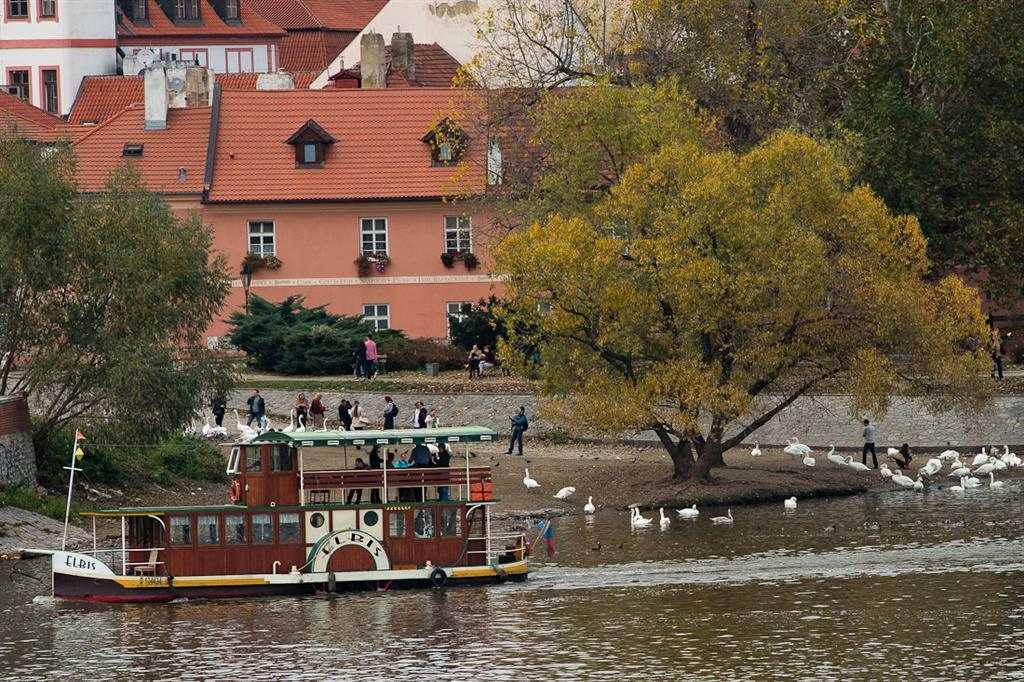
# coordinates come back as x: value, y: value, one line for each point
x: 301, y: 408
x: 317, y: 411
x: 356, y: 493
x: 443, y: 459
x: 390, y: 412
x: 375, y: 463
x: 345, y: 414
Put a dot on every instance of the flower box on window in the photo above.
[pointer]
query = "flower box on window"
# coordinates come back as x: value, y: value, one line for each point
x: 367, y: 263
x: 448, y: 259
x: 255, y: 262
x: 470, y: 260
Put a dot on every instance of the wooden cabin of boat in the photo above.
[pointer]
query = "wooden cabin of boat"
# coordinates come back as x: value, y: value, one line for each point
x: 302, y: 517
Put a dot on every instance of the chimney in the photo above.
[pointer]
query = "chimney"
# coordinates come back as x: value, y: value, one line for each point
x: 402, y: 55
x: 155, y: 84
x: 372, y: 69
x: 279, y: 80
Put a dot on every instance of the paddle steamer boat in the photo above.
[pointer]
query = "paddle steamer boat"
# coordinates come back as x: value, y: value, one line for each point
x: 289, y: 527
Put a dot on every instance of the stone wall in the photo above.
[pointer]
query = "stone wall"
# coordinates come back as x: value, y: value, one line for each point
x: 17, y: 456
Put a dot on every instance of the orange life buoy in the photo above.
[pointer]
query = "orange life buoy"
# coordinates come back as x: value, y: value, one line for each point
x: 236, y: 491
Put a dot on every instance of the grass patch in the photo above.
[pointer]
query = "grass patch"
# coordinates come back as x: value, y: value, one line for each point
x: 30, y: 499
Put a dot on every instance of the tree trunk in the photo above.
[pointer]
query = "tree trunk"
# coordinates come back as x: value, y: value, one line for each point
x: 710, y: 456
x: 681, y: 454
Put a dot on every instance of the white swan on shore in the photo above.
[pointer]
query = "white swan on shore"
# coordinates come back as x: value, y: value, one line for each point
x: 529, y: 482
x: 959, y: 472
x: 589, y: 507
x: 795, y: 448
x: 884, y: 471
x: 723, y: 519
x: 949, y: 455
x: 919, y: 484
x: 979, y: 459
x: 664, y: 521
x: 565, y: 493
x: 688, y: 512
x: 809, y: 461
x: 301, y: 428
x: 932, y: 467
x: 903, y: 480
x: 789, y: 503
x: 992, y: 482
x: 756, y: 450
x: 834, y: 458
x: 985, y: 469
x: 291, y: 424
x: 855, y: 465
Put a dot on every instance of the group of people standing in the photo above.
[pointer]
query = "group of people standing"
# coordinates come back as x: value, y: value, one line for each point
x: 365, y: 358
x: 313, y: 414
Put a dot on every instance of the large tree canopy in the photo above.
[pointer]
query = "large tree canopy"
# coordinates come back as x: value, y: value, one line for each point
x: 707, y: 290
x: 104, y: 299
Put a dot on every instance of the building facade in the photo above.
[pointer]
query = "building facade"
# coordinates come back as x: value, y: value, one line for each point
x: 48, y: 46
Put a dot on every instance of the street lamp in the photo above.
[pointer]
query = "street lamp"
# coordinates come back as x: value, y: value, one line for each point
x: 245, y: 274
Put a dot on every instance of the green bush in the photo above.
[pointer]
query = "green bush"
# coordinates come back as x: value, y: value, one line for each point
x: 25, y: 497
x: 415, y: 353
x: 480, y: 325
x: 289, y: 338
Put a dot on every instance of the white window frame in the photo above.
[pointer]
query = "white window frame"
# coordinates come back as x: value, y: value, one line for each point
x: 250, y: 234
x: 456, y: 231
x: 200, y: 55
x: 458, y: 314
x: 374, y: 230
x: 376, y: 318
x: 495, y: 171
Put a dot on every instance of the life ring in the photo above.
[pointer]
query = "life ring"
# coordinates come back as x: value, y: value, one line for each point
x: 438, y: 578
x: 236, y: 491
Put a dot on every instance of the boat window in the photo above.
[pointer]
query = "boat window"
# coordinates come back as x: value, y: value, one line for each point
x: 209, y: 530
x: 234, y: 529
x: 316, y: 519
x: 254, y: 459
x: 288, y: 528
x: 233, y: 461
x: 181, y: 530
x: 281, y: 458
x: 423, y: 524
x: 396, y: 524
x: 262, y: 529
x: 449, y: 522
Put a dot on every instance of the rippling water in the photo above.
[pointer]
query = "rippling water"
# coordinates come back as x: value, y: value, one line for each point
x: 894, y: 585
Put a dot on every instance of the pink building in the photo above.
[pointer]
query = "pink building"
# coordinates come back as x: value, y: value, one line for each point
x: 319, y: 180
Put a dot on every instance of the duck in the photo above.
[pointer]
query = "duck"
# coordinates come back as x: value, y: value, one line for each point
x: 688, y: 512
x: 992, y: 482
x: 855, y: 465
x: 664, y: 522
x: 903, y: 480
x: 795, y: 448
x: 529, y: 482
x: 834, y: 458
x: 980, y: 459
x: 885, y: 471
x: 636, y: 520
x: 789, y: 503
x: 723, y: 519
x: 756, y: 450
x: 589, y: 507
x: 565, y: 493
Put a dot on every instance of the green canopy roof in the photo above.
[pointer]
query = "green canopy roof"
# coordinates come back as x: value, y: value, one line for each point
x: 332, y: 439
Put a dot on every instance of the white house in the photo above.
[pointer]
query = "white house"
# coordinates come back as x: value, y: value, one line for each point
x: 48, y: 46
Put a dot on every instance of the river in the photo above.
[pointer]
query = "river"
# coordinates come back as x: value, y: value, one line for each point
x: 891, y: 585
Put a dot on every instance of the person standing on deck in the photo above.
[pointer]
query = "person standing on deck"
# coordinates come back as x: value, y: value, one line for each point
x: 375, y: 463
x: 519, y: 425
x: 370, y: 355
x: 390, y: 412
x: 257, y: 408
x: 869, y: 444
x: 443, y: 459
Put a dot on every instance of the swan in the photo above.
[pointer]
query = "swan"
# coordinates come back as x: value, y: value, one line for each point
x: 992, y: 482
x: 565, y: 493
x: 529, y: 482
x: 789, y: 503
x: 932, y: 467
x: 301, y: 428
x: 809, y: 461
x: 884, y: 471
x: 980, y: 459
x: 834, y: 458
x: 207, y: 429
x: 957, y: 488
x: 949, y: 455
x: 589, y: 507
x: 998, y: 464
x: 291, y: 424
x: 723, y: 519
x: 902, y: 480
x: 892, y: 452
x: 636, y: 520
x: 959, y: 472
x: 664, y: 521
x: 855, y: 465
x: 795, y: 448
x: 688, y: 512
x: 919, y: 484
x: 756, y: 451
x: 238, y: 421
x: 971, y: 482
x: 985, y: 469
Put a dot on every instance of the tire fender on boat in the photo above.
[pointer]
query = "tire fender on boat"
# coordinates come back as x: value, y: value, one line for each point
x: 438, y: 578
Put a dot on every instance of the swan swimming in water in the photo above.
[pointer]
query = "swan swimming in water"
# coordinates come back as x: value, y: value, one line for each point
x: 688, y: 512
x: 992, y: 482
x: 589, y: 507
x: 664, y: 521
x: 789, y: 503
x: 636, y: 520
x: 723, y: 519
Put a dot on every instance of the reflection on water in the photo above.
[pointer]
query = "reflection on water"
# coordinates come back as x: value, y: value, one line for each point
x: 892, y: 585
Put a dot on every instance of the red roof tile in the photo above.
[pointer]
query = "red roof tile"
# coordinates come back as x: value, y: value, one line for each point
x: 378, y: 154
x: 312, y: 50
x: 250, y: 23
x: 165, y: 152
x: 100, y: 97
x: 434, y: 68
x: 27, y: 120
x: 337, y: 15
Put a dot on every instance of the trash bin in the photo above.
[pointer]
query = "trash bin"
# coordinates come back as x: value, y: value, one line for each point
x: 433, y: 368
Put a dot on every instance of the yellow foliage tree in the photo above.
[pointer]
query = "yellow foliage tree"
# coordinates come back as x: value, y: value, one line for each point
x: 707, y: 290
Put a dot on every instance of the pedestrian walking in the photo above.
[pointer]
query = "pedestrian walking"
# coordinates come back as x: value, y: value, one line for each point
x: 419, y: 416
x: 218, y: 405
x: 257, y: 408
x: 345, y: 414
x: 996, y: 344
x: 869, y: 444
x: 359, y: 360
x: 519, y: 426
x: 390, y: 412
x: 369, y: 357
x: 318, y: 412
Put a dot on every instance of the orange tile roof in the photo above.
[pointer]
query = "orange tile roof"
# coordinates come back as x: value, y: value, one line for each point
x: 337, y: 15
x: 378, y: 155
x: 100, y: 97
x: 182, y: 145
x: 312, y: 50
x: 250, y: 23
x: 27, y: 120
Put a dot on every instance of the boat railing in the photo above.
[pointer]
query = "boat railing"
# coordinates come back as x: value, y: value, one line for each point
x: 118, y: 561
x: 411, y: 477
x: 495, y: 547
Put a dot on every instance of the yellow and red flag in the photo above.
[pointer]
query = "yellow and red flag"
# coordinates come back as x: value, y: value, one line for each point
x: 79, y: 452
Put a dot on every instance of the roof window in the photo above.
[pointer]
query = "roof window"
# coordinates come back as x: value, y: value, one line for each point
x: 311, y: 142
x: 447, y: 142
x: 132, y: 149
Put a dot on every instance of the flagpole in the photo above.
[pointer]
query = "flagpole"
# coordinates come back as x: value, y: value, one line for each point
x: 71, y: 487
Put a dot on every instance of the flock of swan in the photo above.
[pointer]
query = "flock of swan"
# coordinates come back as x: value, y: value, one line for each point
x: 247, y: 433
x: 987, y: 462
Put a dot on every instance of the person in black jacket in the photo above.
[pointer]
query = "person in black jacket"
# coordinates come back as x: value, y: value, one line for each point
x: 257, y: 408
x: 375, y: 463
x: 218, y: 405
x: 390, y: 412
x: 345, y: 414
x: 419, y: 417
x: 443, y: 459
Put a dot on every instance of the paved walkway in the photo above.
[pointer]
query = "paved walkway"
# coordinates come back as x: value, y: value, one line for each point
x: 817, y: 420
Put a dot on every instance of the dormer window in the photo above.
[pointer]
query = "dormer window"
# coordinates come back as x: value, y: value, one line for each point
x: 311, y: 143
x: 186, y: 10
x: 447, y: 142
x: 131, y: 149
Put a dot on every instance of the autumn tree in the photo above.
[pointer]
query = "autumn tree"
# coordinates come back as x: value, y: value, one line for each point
x: 104, y: 298
x: 707, y: 290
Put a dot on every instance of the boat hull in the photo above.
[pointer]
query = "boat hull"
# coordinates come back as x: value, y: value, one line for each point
x: 80, y: 578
